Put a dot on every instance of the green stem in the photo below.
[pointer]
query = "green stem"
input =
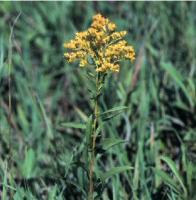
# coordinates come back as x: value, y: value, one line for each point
x: 95, y: 118
x: 93, y: 142
x: 99, y: 82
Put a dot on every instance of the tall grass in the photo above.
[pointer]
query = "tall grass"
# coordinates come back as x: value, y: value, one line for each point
x: 159, y: 89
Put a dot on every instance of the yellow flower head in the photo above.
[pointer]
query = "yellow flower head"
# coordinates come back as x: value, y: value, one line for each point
x: 102, y: 43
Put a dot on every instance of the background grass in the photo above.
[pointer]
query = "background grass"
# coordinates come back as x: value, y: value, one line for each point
x: 159, y: 88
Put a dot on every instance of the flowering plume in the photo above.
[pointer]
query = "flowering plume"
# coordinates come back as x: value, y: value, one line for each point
x: 102, y: 43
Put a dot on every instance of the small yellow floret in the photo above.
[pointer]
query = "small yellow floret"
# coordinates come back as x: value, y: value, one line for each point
x: 111, y: 27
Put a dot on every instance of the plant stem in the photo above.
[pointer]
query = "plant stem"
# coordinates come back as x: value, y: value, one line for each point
x: 93, y: 141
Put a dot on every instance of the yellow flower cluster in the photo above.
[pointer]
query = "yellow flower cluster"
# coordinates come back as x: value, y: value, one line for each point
x: 102, y: 44
x: 108, y: 66
x: 120, y: 51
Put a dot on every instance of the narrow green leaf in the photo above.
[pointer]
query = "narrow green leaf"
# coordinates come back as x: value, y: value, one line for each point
x: 22, y: 116
x: 100, y: 191
x: 192, y: 86
x: 181, y: 105
x: 74, y: 125
x: 28, y: 163
x: 52, y: 193
x: 190, y: 175
x: 114, y: 171
x: 178, y: 79
x: 78, y: 186
x: 166, y: 178
x: 154, y: 91
x: 46, y: 119
x: 8, y: 186
x: 29, y: 195
x: 83, y: 116
x: 184, y: 162
x: 136, y: 168
x: 114, y: 110
x: 82, y: 165
x: 110, y: 142
x: 172, y: 166
x: 100, y: 87
x: 99, y: 129
x: 4, y: 197
x: 111, y: 116
x: 19, y: 194
x: 2, y: 54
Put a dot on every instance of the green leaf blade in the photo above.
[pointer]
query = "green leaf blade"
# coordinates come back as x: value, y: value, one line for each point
x: 167, y: 179
x: 74, y: 125
x: 115, y: 109
x: 177, y: 77
x: 77, y: 186
x: 107, y: 143
x: 172, y: 166
x: 114, y: 171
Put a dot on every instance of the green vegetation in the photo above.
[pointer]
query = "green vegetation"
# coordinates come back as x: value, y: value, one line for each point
x: 39, y: 157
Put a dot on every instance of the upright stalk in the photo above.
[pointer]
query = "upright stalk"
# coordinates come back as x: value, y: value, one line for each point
x: 93, y: 139
x: 106, y: 49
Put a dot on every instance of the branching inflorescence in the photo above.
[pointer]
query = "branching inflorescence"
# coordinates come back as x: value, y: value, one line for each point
x: 102, y: 43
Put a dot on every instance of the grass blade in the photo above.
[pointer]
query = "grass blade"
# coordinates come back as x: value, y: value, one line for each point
x: 114, y: 171
x: 172, y: 166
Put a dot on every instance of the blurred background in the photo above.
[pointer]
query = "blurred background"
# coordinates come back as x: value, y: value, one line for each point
x: 159, y: 88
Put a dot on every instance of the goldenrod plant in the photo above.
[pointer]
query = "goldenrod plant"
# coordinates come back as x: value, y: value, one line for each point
x: 99, y: 49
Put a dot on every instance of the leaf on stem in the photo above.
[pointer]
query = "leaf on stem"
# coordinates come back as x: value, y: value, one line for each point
x: 111, y: 116
x: 115, y: 109
x: 114, y: 171
x: 107, y: 143
x: 74, y: 125
x: 99, y: 129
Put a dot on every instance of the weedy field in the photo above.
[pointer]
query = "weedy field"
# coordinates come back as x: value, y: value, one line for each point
x: 39, y: 90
